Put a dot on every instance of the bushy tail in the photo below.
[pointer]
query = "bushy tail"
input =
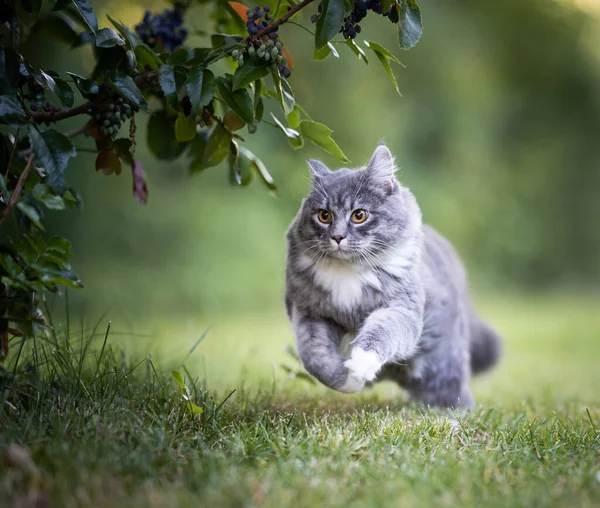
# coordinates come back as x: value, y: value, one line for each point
x: 485, y: 347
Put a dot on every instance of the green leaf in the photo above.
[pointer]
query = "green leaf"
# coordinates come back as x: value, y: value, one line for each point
x: 248, y: 73
x: 127, y: 88
x: 64, y: 93
x: 329, y: 22
x: 180, y: 56
x: 146, y: 57
x: 122, y: 147
x: 44, y: 194
x: 239, y: 100
x: 384, y: 57
x: 133, y: 39
x: 410, y: 24
x: 88, y: 88
x: 259, y: 167
x: 283, y: 91
x: 52, y: 152
x: 259, y: 106
x: 201, y: 86
x: 11, y: 111
x: 161, y: 137
x: 325, y: 51
x: 320, y: 135
x: 233, y: 122
x: 87, y: 13
x: 178, y: 379
x: 166, y: 79
x: 64, y: 277
x: 31, y: 213
x: 108, y: 38
x: 357, y: 50
x: 217, y: 146
x: 59, y: 244
x: 240, y: 167
x: 386, y: 5
x: 290, y: 133
x: 59, y: 26
x: 224, y: 40
x: 185, y: 128
x: 293, y: 118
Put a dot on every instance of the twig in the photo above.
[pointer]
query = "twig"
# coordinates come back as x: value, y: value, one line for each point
x: 278, y: 22
x: 55, y: 116
x: 12, y: 152
x: 17, y: 191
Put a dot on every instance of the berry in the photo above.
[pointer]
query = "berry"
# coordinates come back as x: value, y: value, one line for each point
x: 266, y: 8
x: 162, y: 31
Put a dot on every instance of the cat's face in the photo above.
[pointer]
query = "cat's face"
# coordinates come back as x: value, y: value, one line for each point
x: 353, y: 215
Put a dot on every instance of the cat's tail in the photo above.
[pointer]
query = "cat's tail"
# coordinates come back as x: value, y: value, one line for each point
x: 485, y: 346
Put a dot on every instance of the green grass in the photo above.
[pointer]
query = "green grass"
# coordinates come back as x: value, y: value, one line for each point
x: 104, y: 430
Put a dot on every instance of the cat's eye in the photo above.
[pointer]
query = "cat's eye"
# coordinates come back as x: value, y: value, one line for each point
x: 359, y: 216
x: 325, y: 216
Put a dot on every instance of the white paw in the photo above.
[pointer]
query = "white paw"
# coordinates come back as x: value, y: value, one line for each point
x: 363, y: 367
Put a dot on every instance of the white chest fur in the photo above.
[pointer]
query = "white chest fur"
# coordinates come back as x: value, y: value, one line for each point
x: 343, y: 282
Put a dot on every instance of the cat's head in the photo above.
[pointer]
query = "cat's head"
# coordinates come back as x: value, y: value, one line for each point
x: 355, y: 215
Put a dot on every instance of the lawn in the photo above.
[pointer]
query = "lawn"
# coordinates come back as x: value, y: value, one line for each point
x: 108, y: 425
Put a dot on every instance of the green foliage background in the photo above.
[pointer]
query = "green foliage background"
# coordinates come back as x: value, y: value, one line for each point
x: 496, y: 133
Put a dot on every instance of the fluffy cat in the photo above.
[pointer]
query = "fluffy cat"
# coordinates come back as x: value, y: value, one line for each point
x: 374, y: 294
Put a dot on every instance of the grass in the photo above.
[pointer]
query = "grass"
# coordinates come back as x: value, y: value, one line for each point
x: 100, y: 429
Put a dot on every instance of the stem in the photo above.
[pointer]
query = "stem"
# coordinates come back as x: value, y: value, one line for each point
x: 301, y: 26
x: 12, y: 152
x: 17, y: 192
x: 278, y: 22
x: 55, y: 116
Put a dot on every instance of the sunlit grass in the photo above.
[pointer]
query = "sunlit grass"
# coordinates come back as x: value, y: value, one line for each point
x: 115, y: 429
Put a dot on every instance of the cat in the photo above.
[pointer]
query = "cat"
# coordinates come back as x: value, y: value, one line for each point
x: 374, y: 294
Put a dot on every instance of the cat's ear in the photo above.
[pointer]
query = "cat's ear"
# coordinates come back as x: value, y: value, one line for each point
x: 382, y: 168
x: 317, y: 168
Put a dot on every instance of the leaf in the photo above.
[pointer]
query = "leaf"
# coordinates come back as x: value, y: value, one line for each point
x: 379, y: 49
x: 44, y: 194
x: 320, y: 135
x: 325, y: 51
x: 31, y: 213
x: 52, y: 152
x: 146, y: 57
x: 58, y: 26
x: 410, y: 24
x: 140, y: 189
x: 283, y: 91
x: 133, y: 39
x: 64, y: 93
x: 87, y: 13
x: 11, y: 111
x: 180, y: 56
x: 108, y: 162
x: 329, y: 22
x: 293, y: 118
x: 233, y: 122
x: 239, y: 100
x: 217, y: 146
x: 88, y: 88
x: 166, y: 79
x: 384, y: 59
x: 127, y: 88
x: 200, y: 85
x: 240, y: 10
x: 185, y: 128
x: 9, y: 70
x: 290, y: 133
x: 386, y: 5
x: 357, y: 50
x: 240, y: 167
x: 259, y: 167
x: 122, y: 147
x: 288, y: 57
x: 247, y: 73
x: 161, y: 137
x: 108, y: 38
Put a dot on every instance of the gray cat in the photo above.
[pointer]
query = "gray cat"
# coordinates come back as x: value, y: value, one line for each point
x: 374, y: 294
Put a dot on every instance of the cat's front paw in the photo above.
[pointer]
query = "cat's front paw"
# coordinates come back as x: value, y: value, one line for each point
x: 363, y: 367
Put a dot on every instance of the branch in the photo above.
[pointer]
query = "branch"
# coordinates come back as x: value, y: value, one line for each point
x: 17, y: 192
x: 278, y: 22
x: 55, y: 116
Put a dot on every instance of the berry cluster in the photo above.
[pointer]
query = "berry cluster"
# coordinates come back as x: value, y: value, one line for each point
x: 112, y: 115
x: 350, y: 26
x: 46, y: 107
x: 162, y: 31
x: 268, y: 47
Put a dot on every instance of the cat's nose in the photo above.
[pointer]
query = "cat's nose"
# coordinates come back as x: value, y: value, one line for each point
x: 338, y: 238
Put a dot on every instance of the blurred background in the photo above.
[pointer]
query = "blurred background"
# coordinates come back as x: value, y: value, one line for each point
x: 497, y: 134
